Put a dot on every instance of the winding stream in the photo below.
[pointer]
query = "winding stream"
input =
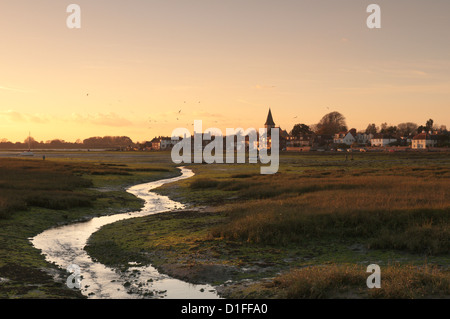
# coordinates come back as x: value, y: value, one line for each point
x: 64, y: 246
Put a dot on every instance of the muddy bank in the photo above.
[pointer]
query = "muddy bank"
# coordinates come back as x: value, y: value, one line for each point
x: 177, y: 244
x: 232, y: 285
x: 65, y: 245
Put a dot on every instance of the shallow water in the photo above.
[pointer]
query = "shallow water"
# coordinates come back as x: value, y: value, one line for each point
x: 64, y: 246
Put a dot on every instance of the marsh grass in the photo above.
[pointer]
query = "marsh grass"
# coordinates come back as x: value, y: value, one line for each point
x: 25, y: 183
x: 59, y: 185
x: 321, y: 216
x: 405, y: 213
x: 387, y: 201
x: 36, y: 195
x: 348, y: 281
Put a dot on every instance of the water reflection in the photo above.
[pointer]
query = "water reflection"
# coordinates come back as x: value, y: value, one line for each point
x: 64, y: 246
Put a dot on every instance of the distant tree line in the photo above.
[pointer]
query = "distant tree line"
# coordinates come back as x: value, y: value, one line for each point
x: 334, y: 122
x: 405, y: 129
x: 330, y: 124
x: 106, y: 142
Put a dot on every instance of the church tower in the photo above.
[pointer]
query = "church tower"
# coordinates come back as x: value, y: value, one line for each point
x: 269, y: 122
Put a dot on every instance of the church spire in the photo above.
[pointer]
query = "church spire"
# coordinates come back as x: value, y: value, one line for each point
x: 269, y: 122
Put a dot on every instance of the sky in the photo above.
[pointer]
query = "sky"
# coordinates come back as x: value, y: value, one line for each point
x: 142, y: 68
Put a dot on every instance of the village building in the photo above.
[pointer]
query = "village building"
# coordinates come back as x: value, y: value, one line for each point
x: 347, y: 138
x: 424, y: 140
x: 382, y: 140
x: 306, y: 141
x: 162, y: 143
x: 363, y: 138
x: 301, y: 141
x: 269, y: 122
x: 283, y: 134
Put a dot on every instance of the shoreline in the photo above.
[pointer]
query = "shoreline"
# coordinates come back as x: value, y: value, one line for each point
x: 197, y: 245
x: 24, y: 271
x: 258, y: 278
x: 67, y: 245
x: 208, y: 272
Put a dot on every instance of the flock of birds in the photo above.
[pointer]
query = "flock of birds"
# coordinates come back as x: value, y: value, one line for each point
x: 178, y: 117
x: 179, y: 112
x: 154, y: 121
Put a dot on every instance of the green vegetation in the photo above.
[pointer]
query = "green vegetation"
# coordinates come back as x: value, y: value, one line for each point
x: 36, y: 184
x: 321, y: 217
x: 309, y: 231
x: 36, y: 195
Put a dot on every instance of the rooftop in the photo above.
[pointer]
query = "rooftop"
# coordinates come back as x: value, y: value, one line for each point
x: 269, y: 120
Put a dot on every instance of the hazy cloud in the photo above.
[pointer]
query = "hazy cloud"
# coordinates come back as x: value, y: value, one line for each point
x: 14, y: 116
x: 7, y: 88
x: 434, y: 70
x: 439, y: 88
x: 105, y: 119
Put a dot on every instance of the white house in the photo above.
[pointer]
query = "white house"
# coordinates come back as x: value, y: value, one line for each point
x: 423, y: 141
x: 345, y: 137
x: 382, y: 140
x: 363, y: 138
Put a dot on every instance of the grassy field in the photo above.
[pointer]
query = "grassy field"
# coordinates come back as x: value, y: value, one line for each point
x: 309, y: 231
x: 36, y: 195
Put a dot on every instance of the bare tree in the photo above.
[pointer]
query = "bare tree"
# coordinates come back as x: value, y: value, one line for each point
x: 332, y: 123
x: 30, y: 140
x: 371, y: 129
x: 406, y: 129
x: 299, y: 129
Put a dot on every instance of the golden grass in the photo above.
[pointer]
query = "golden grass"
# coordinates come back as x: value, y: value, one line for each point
x: 349, y: 281
x: 393, y: 211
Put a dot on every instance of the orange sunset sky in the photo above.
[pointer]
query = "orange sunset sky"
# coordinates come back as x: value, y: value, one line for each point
x: 135, y: 64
